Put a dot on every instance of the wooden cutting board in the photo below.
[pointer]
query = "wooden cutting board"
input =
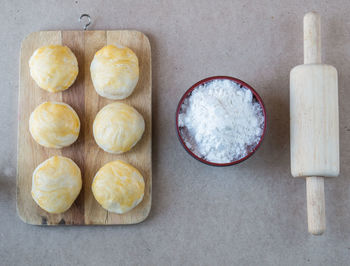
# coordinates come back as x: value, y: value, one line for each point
x: 85, y: 152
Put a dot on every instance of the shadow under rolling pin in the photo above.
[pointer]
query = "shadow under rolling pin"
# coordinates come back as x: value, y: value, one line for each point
x: 314, y: 123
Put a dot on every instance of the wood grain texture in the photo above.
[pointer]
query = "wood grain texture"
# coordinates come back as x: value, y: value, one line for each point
x: 312, y: 38
x: 85, y: 152
x: 316, y: 208
x: 314, y: 111
x: 314, y: 123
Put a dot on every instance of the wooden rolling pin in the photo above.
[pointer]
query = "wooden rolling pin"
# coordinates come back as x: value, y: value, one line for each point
x: 314, y: 123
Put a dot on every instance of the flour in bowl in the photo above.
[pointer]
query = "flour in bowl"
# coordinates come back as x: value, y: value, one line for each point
x: 221, y: 121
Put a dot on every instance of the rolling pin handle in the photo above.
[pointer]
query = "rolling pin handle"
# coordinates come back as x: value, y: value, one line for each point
x: 312, y: 38
x: 316, y: 216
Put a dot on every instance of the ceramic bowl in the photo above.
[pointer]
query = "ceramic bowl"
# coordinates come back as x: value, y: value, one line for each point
x: 256, y: 97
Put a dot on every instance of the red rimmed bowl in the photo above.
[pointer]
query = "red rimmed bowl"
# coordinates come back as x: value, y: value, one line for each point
x: 257, y: 98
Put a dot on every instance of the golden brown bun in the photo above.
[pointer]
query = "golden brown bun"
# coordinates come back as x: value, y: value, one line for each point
x: 118, y: 187
x: 115, y: 72
x: 56, y: 184
x: 54, y: 125
x: 118, y: 127
x: 54, y: 68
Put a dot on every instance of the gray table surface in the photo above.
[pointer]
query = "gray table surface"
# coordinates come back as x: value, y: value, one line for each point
x: 250, y: 214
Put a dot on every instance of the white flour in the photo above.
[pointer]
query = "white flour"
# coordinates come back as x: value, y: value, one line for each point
x: 220, y: 121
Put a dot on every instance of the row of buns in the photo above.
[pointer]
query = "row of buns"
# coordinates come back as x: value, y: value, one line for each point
x: 56, y: 183
x: 114, y: 70
x: 117, y: 126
